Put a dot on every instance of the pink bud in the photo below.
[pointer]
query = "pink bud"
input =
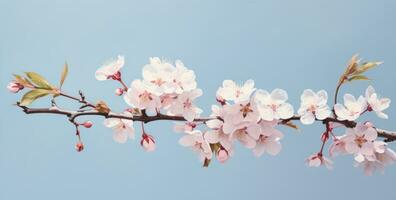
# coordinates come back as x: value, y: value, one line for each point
x: 119, y: 91
x: 147, y: 142
x: 222, y: 155
x: 14, y: 87
x: 79, y: 146
x: 87, y: 124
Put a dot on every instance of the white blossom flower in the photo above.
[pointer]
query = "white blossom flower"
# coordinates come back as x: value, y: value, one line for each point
x: 122, y: 128
x: 185, y: 106
x: 383, y: 160
x: 317, y: 159
x: 183, y: 78
x: 247, y: 135
x: 238, y: 115
x: 268, y: 140
x: 377, y: 104
x: 140, y: 97
x: 351, y: 109
x: 273, y: 106
x: 217, y: 135
x: 110, y: 69
x: 197, y: 142
x: 360, y: 142
x: 233, y: 92
x: 313, y: 105
x: 157, y: 75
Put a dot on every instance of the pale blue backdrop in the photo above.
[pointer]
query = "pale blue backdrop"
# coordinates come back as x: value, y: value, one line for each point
x: 288, y: 44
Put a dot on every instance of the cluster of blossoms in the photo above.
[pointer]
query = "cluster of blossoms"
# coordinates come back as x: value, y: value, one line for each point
x: 165, y: 87
x: 242, y: 114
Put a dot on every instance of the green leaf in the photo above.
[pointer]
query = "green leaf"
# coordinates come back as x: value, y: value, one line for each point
x: 39, y: 80
x: 22, y: 80
x: 367, y: 66
x: 358, y: 77
x: 32, y: 95
x: 64, y: 75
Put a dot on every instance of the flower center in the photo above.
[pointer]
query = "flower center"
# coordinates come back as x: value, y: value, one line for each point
x: 245, y: 110
x: 360, y: 141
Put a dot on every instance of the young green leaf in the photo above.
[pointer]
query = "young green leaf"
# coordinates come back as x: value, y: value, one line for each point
x: 64, y: 75
x: 39, y: 80
x: 358, y: 78
x: 32, y: 95
x: 23, y: 81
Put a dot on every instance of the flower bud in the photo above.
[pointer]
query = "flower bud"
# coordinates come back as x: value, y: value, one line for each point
x: 222, y: 155
x: 147, y: 142
x: 119, y: 91
x: 14, y: 87
x: 79, y: 146
x: 87, y: 124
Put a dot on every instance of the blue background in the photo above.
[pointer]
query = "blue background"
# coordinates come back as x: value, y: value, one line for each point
x: 288, y: 44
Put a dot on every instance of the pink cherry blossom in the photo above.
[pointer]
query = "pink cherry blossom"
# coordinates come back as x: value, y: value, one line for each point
x: 360, y: 142
x: 233, y: 92
x: 240, y: 114
x: 269, y: 139
x: 375, y: 103
x: 157, y: 75
x: 122, y: 128
x: 196, y: 141
x: 247, y: 136
x: 313, y: 106
x: 383, y: 160
x: 14, y: 87
x: 273, y: 106
x: 110, y: 69
x: 317, y: 159
x: 216, y: 135
x: 139, y: 96
x: 183, y: 78
x: 185, y: 106
x: 147, y: 142
x: 351, y: 109
x: 338, y: 146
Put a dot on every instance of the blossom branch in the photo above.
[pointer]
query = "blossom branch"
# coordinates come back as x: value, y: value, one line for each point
x: 244, y: 113
x: 389, y: 136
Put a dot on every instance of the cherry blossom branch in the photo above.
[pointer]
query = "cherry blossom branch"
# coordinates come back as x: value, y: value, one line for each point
x: 389, y: 136
x: 244, y: 113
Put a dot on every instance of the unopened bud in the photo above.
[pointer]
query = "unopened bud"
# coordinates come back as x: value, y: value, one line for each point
x: 87, y: 124
x: 147, y: 142
x: 119, y: 91
x: 14, y: 87
x: 79, y: 146
x: 222, y: 155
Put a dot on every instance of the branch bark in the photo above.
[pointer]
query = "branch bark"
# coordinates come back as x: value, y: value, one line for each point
x: 389, y: 136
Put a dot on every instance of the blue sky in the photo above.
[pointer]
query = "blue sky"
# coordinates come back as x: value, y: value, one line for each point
x: 292, y: 45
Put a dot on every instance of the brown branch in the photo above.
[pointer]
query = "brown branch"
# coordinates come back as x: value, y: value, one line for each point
x: 389, y: 136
